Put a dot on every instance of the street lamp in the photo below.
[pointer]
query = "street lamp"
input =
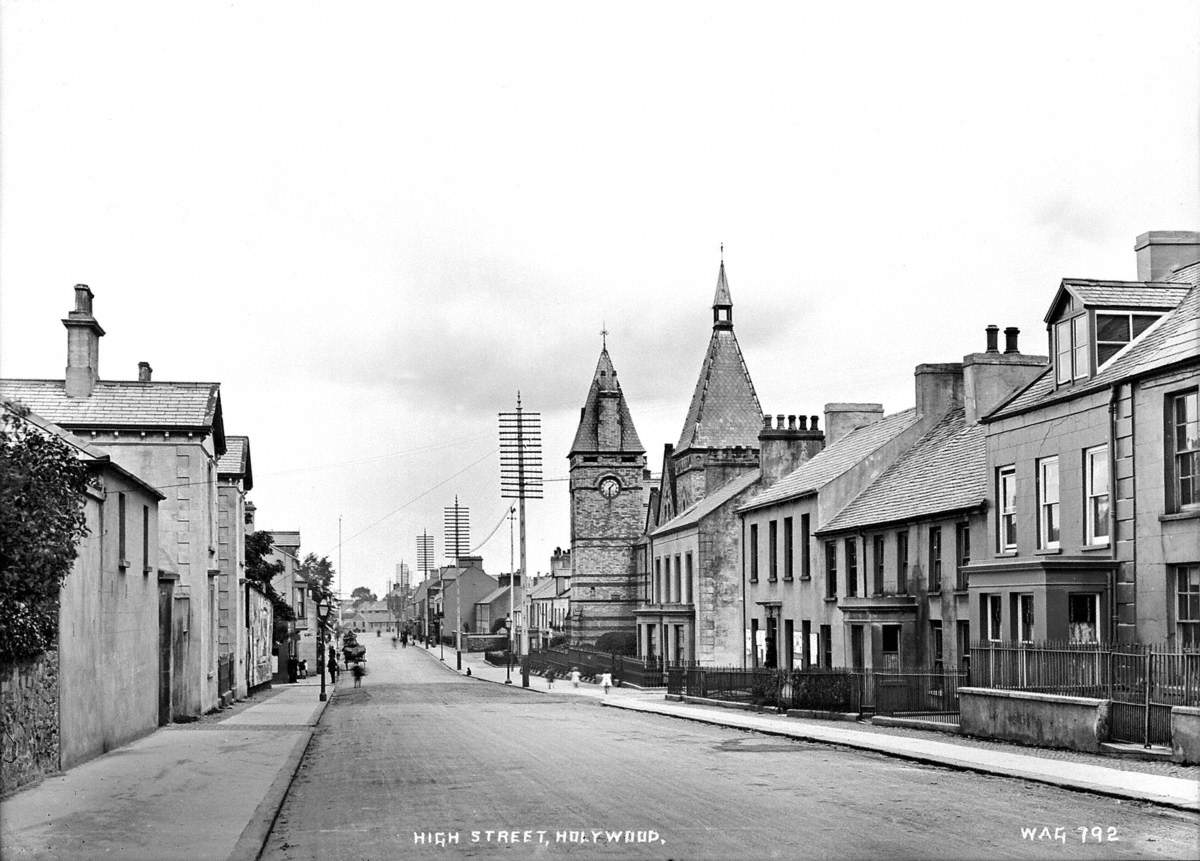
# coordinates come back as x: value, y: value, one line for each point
x: 323, y: 609
x: 508, y: 634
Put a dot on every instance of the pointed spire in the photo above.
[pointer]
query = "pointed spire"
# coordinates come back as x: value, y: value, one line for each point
x: 606, y: 427
x: 722, y: 301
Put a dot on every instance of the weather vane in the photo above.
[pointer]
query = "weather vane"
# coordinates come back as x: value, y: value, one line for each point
x: 604, y: 335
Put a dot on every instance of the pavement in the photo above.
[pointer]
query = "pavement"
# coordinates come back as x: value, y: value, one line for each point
x: 1127, y: 779
x: 208, y: 789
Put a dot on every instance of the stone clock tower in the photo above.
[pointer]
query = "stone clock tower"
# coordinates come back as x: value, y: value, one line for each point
x: 609, y: 486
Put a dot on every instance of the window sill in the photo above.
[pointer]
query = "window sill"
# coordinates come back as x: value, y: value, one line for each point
x: 123, y: 564
x: 147, y: 570
x: 831, y: 599
x: 1093, y: 548
x: 1048, y: 551
x: 934, y: 593
x: 1189, y: 514
x: 1006, y: 554
x: 806, y: 578
x: 788, y: 579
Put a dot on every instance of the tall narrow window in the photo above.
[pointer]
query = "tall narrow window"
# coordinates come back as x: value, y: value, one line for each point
x: 889, y: 646
x: 1047, y: 490
x: 877, y: 564
x: 806, y: 649
x: 851, y: 566
x: 831, y: 569
x: 688, y: 587
x: 991, y: 617
x: 805, y: 551
x: 145, y: 539
x: 902, y: 562
x: 657, y: 597
x: 1183, y: 456
x: 787, y: 548
x: 773, y: 550
x: 1025, y: 618
x: 1096, y: 494
x: 1006, y: 510
x: 1062, y: 351
x: 936, y: 647
x: 963, y: 559
x: 1079, y: 333
x: 122, y: 559
x: 1187, y: 612
x: 935, y: 558
x: 677, y: 583
x: 753, y: 552
x: 827, y: 646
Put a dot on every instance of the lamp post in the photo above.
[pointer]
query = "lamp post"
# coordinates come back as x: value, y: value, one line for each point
x: 323, y: 609
x: 508, y: 633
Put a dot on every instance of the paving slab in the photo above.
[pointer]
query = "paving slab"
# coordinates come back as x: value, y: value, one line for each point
x: 1171, y: 791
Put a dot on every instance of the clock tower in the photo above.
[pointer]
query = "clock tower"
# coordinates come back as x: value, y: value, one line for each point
x: 609, y: 489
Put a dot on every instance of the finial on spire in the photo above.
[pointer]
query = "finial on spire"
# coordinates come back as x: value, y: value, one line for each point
x: 604, y: 335
x: 722, y: 252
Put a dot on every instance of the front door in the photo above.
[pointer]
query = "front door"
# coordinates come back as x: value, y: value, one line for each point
x: 165, y: 588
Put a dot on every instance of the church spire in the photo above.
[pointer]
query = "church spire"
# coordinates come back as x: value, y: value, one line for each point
x: 605, y: 423
x: 722, y: 302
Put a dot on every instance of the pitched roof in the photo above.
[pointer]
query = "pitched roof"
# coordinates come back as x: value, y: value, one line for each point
x: 835, y: 459
x: 1123, y: 294
x: 123, y: 404
x: 494, y: 595
x: 946, y: 470
x: 1189, y: 274
x: 235, y: 463
x: 543, y: 589
x: 1173, y: 338
x: 605, y: 384
x: 724, y: 411
x: 710, y: 503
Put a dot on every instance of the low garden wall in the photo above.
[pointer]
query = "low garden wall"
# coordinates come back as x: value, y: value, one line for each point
x: 1185, y: 734
x: 1026, y: 717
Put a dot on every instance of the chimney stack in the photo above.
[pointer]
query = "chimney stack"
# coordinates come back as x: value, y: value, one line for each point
x: 783, y: 447
x: 1161, y: 252
x: 144, y: 372
x: 991, y: 376
x: 939, y: 388
x: 83, y: 346
x: 993, y: 338
x: 1010, y: 339
x: 841, y: 419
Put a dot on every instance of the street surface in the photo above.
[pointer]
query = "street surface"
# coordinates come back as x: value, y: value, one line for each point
x: 421, y: 762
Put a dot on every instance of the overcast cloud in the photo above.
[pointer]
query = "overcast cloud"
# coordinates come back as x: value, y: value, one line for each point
x: 374, y: 222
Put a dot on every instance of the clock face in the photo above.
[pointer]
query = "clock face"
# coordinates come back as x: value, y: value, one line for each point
x: 610, y: 487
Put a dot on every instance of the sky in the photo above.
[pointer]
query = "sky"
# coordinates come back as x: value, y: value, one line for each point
x: 374, y: 223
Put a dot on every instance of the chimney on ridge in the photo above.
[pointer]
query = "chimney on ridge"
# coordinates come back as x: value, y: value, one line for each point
x: 83, y: 346
x: 1161, y: 252
x: 144, y: 372
x: 840, y: 419
x: 782, y: 448
x: 990, y: 377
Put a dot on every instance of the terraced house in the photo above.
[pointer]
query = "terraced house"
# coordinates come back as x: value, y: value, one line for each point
x: 1093, y: 531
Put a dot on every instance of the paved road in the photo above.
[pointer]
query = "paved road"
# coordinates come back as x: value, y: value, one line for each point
x: 419, y: 751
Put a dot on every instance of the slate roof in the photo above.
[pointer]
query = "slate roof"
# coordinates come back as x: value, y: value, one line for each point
x: 1189, y: 274
x: 1125, y: 294
x: 710, y: 503
x: 543, y: 590
x: 835, y: 459
x: 494, y: 595
x: 1173, y: 338
x: 123, y: 404
x: 946, y: 470
x: 605, y: 380
x: 724, y: 411
x: 235, y: 463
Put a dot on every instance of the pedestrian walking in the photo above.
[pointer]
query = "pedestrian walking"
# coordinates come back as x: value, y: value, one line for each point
x: 333, y: 665
x: 606, y: 681
x: 550, y: 679
x: 575, y: 676
x: 358, y: 672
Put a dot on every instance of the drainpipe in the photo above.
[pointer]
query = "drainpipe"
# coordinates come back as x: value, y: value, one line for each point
x: 743, y: 548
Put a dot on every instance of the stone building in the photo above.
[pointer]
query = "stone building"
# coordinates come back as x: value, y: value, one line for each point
x: 235, y: 479
x: 171, y: 435
x: 1092, y: 475
x: 608, y: 487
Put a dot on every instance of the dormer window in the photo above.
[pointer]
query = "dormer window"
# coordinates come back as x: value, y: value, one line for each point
x: 1071, y: 349
x: 1116, y: 329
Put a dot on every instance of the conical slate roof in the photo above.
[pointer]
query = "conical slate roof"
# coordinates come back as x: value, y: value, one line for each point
x: 725, y: 410
x: 604, y: 383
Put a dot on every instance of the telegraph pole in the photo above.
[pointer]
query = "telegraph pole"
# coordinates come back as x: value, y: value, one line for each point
x: 457, y: 529
x: 520, y: 471
x: 339, y: 583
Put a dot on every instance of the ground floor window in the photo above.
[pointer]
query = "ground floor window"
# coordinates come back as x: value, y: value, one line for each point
x: 963, y: 643
x: 1083, y: 613
x: 651, y: 646
x: 992, y: 617
x: 1024, y: 607
x: 827, y: 646
x: 890, y: 647
x: 857, y: 660
x: 1187, y: 612
x: 936, y: 654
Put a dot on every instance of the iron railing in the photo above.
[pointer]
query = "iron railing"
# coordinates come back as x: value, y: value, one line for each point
x: 642, y: 672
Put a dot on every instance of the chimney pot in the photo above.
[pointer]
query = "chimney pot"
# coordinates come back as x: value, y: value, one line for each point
x: 791, y: 423
x: 779, y: 422
x: 83, y: 298
x: 1010, y: 339
x: 993, y: 338
x: 812, y: 424
x: 803, y: 423
x: 144, y: 372
x: 766, y: 422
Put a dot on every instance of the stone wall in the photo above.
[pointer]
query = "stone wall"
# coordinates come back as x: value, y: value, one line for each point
x: 28, y: 720
x: 1044, y: 720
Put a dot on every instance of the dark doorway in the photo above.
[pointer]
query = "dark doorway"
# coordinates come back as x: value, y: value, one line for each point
x: 165, y: 597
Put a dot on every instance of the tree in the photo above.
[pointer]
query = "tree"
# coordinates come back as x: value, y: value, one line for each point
x: 261, y: 570
x: 318, y: 573
x: 362, y: 595
x: 42, y: 483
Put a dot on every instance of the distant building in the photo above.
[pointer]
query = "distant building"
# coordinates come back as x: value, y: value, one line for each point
x: 235, y: 479
x: 459, y: 587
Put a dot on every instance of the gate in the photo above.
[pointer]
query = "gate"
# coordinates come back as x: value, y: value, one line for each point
x: 1144, y: 687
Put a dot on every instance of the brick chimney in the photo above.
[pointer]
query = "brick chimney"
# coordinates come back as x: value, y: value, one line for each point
x: 782, y: 447
x: 83, y: 346
x: 991, y: 376
x: 840, y: 419
x: 1161, y: 252
x: 144, y: 372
